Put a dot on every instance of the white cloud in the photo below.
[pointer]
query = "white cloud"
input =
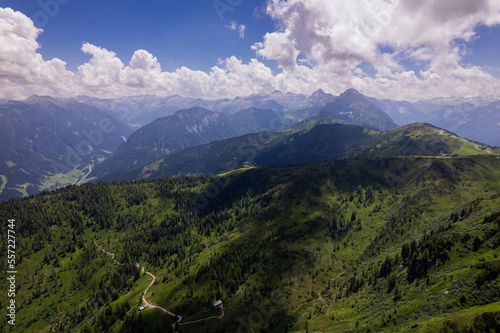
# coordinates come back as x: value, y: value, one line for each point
x: 22, y: 70
x: 143, y: 60
x: 241, y: 28
x: 317, y: 44
x: 337, y: 36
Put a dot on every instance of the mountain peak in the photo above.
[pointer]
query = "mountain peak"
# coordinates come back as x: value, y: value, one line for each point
x: 354, y: 107
x: 351, y: 92
x: 318, y: 93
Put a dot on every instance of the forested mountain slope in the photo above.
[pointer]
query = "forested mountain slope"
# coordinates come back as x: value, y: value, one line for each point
x: 46, y: 143
x: 185, y: 129
x: 393, y: 244
x: 315, y: 140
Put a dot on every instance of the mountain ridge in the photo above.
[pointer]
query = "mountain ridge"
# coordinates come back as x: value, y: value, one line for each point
x: 185, y: 129
x: 323, y: 140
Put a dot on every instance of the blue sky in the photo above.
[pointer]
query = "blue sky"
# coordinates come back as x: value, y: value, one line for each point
x: 403, y: 50
x: 485, y: 49
x: 178, y: 32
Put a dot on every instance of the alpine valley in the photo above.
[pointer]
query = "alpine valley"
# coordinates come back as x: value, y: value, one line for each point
x: 267, y: 213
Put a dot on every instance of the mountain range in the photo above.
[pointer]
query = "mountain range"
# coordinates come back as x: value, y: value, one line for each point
x: 448, y: 113
x: 324, y: 139
x: 139, y: 111
x: 64, y: 125
x: 328, y: 217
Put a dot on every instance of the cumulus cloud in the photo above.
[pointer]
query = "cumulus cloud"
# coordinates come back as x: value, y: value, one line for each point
x: 336, y: 31
x: 241, y: 28
x: 338, y: 36
x: 323, y: 44
x: 142, y: 59
x: 22, y: 70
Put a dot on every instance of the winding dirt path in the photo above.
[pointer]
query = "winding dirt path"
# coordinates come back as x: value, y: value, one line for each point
x: 108, y: 253
x: 153, y: 306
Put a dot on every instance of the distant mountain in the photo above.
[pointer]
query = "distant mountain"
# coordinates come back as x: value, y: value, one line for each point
x: 467, y: 120
x: 138, y: 111
x: 482, y: 125
x: 472, y: 118
x: 427, y: 106
x: 43, y: 137
x: 402, y: 112
x: 142, y: 110
x: 305, y: 145
x: 450, y: 117
x: 320, y: 96
x: 318, y: 101
x: 277, y: 101
x: 185, y: 129
x: 356, y: 108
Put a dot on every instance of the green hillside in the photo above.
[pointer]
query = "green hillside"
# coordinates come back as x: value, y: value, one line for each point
x: 318, y: 139
x: 404, y: 244
x: 421, y: 139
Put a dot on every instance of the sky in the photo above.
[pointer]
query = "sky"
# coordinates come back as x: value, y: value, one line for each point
x: 397, y: 49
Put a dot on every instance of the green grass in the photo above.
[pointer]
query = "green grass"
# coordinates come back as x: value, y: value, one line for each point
x: 235, y: 171
x: 463, y: 317
x: 53, y: 181
x: 469, y: 148
x: 22, y: 188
